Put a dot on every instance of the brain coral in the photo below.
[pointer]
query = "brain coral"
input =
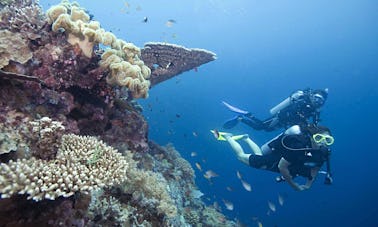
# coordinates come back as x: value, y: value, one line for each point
x: 82, y: 164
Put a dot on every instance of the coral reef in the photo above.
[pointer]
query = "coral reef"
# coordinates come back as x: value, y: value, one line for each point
x: 57, y: 85
x: 24, y: 17
x: 45, y: 135
x: 13, y: 47
x: 167, y: 60
x: 17, y: 211
x: 82, y: 164
x: 122, y: 60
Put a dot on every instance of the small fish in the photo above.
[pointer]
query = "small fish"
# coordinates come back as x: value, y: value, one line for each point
x: 210, y: 174
x: 170, y: 23
x: 145, y: 19
x: 272, y: 207
x: 229, y: 189
x: 259, y: 224
x: 178, y: 115
x: 239, y: 175
x: 193, y: 154
x: 229, y: 205
x: 246, y: 186
x: 281, y: 200
x: 195, y: 134
x: 198, y: 166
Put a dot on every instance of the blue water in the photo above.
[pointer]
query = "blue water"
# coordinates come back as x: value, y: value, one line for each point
x: 266, y: 50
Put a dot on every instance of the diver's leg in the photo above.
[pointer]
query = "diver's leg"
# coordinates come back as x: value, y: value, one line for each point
x: 238, y: 150
x: 254, y: 147
x: 252, y: 122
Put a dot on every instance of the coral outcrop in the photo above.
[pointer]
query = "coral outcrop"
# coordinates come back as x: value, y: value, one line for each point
x: 82, y: 165
x: 13, y: 47
x: 168, y: 60
x: 57, y: 85
x: 122, y: 60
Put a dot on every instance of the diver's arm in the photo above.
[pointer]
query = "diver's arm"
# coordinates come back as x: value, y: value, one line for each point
x: 283, y: 166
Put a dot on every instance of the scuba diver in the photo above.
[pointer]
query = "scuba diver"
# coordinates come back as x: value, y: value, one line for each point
x: 299, y: 151
x: 297, y: 109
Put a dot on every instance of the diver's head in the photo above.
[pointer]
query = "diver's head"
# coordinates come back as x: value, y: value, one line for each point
x: 321, y: 135
x: 318, y: 97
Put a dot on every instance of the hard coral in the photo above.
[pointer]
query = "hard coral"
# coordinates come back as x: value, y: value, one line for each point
x: 82, y: 164
x: 25, y: 17
x: 13, y: 47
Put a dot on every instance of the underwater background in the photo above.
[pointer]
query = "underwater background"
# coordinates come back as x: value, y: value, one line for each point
x: 265, y: 51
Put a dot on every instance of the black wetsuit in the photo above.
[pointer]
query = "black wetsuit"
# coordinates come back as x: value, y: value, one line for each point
x: 296, y: 149
x: 297, y: 113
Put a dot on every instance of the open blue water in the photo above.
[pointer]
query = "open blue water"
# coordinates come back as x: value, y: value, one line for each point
x: 266, y: 49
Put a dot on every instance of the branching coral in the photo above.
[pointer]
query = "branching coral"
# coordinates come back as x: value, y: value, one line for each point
x: 13, y: 47
x: 122, y: 60
x: 150, y: 187
x: 68, y: 173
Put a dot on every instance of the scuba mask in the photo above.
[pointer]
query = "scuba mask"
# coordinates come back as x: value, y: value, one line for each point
x: 317, y: 100
x: 323, y: 138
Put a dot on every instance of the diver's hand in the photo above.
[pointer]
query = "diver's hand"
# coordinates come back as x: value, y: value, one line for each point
x: 303, y: 187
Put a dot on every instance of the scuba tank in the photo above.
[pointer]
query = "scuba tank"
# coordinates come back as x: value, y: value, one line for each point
x: 287, y: 102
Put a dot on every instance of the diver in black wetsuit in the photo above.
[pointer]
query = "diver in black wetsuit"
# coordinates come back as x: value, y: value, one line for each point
x: 300, y: 108
x: 299, y: 151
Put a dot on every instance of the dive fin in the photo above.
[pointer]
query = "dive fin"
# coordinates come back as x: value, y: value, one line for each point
x: 231, y: 123
x: 235, y: 109
x: 220, y: 135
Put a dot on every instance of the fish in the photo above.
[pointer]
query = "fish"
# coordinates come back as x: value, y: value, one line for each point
x: 170, y: 23
x: 259, y: 224
x: 193, y: 154
x: 229, y: 189
x: 195, y: 134
x: 145, y: 19
x: 281, y: 200
x: 246, y: 186
x: 229, y: 205
x: 239, y: 175
x: 271, y: 206
x: 198, y: 166
x: 210, y: 174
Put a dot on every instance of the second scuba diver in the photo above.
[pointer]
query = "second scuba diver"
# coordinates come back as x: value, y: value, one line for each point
x: 297, y: 109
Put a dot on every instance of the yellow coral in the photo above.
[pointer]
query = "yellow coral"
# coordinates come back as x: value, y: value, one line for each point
x: 123, y: 60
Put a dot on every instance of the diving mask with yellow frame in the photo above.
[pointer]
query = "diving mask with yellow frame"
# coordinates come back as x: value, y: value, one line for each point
x: 323, y: 138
